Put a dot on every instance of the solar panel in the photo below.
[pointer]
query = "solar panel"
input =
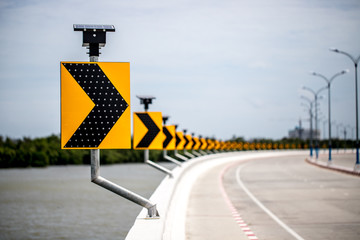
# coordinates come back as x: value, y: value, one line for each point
x: 146, y: 100
x: 165, y: 118
x: 86, y: 27
x: 145, y: 97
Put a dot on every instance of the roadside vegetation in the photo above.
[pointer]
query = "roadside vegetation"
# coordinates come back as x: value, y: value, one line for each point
x: 42, y: 152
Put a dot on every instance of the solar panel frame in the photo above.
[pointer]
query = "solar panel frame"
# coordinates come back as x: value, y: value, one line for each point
x: 94, y: 27
x: 145, y: 97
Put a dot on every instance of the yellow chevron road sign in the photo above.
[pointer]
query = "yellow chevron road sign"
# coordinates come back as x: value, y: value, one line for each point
x: 180, y: 141
x: 148, y: 130
x: 211, y: 144
x: 95, y: 105
x: 217, y: 144
x: 188, y: 142
x: 197, y: 143
x: 170, y: 140
x: 204, y: 144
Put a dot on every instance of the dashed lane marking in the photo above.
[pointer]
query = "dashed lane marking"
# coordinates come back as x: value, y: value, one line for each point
x: 272, y: 215
x: 239, y: 220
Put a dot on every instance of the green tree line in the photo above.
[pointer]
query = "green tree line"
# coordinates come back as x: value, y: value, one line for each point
x: 41, y: 152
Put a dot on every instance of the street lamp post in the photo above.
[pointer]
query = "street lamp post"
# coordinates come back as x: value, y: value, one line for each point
x: 316, y: 120
x: 329, y: 81
x: 311, y: 128
x: 345, y: 138
x: 338, y: 126
x: 320, y: 119
x: 355, y: 61
x: 352, y: 135
x: 324, y: 127
x: 337, y: 130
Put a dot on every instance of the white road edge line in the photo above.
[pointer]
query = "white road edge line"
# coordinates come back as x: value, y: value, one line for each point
x: 273, y: 216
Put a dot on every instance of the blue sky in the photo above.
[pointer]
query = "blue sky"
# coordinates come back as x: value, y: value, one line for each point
x: 218, y: 68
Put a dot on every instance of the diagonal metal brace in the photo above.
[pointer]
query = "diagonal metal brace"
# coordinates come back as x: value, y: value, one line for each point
x: 188, y: 154
x: 180, y: 156
x: 123, y: 192
x: 171, y: 159
x: 159, y: 167
x: 155, y: 165
x: 196, y: 153
x: 202, y: 152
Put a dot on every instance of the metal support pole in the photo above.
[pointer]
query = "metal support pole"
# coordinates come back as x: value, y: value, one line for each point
x: 316, y: 129
x: 329, y: 81
x: 196, y: 153
x: 209, y: 152
x: 123, y: 192
x: 170, y: 158
x: 355, y: 61
x: 357, y: 164
x: 329, y: 116
x: 146, y: 155
x: 95, y: 163
x: 188, y: 154
x: 159, y: 167
x: 155, y: 165
x: 94, y: 58
x: 316, y: 121
x: 180, y: 156
x: 311, y: 131
x: 202, y: 152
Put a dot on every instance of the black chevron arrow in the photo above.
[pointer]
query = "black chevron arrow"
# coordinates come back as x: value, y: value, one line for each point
x: 201, y: 143
x: 178, y: 140
x: 195, y: 142
x: 168, y: 138
x: 152, y: 132
x: 205, y: 144
x: 209, y: 145
x: 191, y: 142
x: 109, y: 105
x: 217, y: 145
x: 186, y: 141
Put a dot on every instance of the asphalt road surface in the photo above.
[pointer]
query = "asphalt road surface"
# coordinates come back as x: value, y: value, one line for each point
x: 274, y: 198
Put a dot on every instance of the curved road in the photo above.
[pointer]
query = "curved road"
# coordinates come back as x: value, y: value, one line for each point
x: 274, y: 198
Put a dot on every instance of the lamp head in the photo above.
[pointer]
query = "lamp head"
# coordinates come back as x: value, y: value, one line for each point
x: 334, y: 49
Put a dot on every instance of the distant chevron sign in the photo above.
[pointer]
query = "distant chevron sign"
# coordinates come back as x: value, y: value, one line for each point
x: 170, y: 140
x: 210, y: 143
x: 188, y: 142
x: 197, y: 143
x: 148, y: 130
x: 180, y: 141
x: 203, y: 144
x: 95, y: 105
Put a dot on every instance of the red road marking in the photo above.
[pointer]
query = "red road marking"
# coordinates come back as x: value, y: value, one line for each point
x: 244, y: 227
